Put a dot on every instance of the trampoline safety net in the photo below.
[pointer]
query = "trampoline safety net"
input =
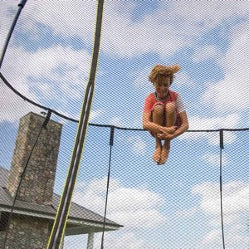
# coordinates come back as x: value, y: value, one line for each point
x: 122, y: 199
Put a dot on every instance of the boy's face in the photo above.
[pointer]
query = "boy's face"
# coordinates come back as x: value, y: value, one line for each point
x: 162, y: 86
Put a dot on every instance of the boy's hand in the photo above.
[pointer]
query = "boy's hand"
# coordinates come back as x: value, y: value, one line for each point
x: 167, y: 133
x: 168, y: 130
x: 165, y: 136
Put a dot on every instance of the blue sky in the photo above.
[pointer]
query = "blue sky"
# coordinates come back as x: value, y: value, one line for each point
x: 49, y: 59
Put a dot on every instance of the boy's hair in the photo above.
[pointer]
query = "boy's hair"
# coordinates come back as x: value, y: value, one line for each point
x: 160, y: 70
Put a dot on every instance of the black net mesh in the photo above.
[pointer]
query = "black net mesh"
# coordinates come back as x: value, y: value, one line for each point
x: 199, y: 198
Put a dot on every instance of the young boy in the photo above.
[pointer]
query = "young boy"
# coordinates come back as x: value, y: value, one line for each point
x: 164, y: 114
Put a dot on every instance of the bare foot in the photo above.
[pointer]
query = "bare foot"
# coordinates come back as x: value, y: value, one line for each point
x: 165, y: 152
x: 157, y: 154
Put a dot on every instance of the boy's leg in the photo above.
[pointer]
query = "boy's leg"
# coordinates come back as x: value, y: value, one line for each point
x: 170, y: 110
x: 158, y: 118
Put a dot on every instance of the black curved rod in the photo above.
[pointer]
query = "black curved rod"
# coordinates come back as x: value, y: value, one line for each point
x: 5, y: 81
x: 20, y: 7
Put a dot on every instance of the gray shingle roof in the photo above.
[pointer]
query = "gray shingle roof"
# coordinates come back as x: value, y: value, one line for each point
x: 78, y: 214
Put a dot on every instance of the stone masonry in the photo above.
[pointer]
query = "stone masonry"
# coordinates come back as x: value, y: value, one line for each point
x: 37, y: 181
x: 26, y: 233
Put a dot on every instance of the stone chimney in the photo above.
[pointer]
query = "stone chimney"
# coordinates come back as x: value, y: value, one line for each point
x: 38, y: 179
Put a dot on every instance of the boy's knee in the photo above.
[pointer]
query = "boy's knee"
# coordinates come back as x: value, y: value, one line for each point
x: 158, y: 109
x: 170, y: 107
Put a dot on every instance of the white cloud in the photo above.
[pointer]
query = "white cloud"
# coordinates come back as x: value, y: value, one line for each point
x: 155, y: 32
x: 67, y: 18
x: 235, y: 236
x: 14, y: 107
x: 199, y: 14
x: 116, y: 121
x: 212, y: 123
x: 235, y: 210
x: 229, y: 137
x: 205, y: 53
x: 234, y: 197
x: 131, y: 207
x: 137, y: 144
x: 231, y: 93
x: 183, y: 79
x: 228, y: 121
x: 214, y: 159
x: 51, y: 75
x: 235, y: 239
x: 130, y: 199
x: 124, y: 37
x: 167, y: 29
x: 118, y: 240
x: 96, y: 114
x: 141, y: 78
x: 7, y: 11
x: 213, y: 237
x: 139, y: 218
x: 58, y: 64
